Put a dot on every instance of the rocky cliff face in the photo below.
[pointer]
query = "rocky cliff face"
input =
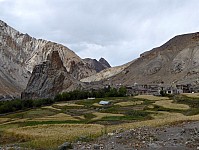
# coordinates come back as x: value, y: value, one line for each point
x: 19, y: 53
x: 97, y: 65
x: 175, y: 62
x: 50, y: 78
x: 104, y: 63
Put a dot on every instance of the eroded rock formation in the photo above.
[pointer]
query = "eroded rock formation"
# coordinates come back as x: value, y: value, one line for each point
x: 50, y: 78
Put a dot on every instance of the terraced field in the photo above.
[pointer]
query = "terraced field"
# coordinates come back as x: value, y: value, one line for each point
x: 83, y: 120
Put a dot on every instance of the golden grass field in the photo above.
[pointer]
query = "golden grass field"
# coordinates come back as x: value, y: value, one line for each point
x: 160, y: 119
x: 192, y: 95
x: 57, y: 117
x: 3, y: 120
x: 151, y: 97
x: 68, y: 104
x: 101, y: 115
x: 170, y: 105
x: 46, y: 136
x: 129, y: 103
x: 97, y: 104
x: 52, y: 108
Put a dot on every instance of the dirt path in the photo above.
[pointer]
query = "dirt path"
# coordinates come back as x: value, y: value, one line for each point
x: 184, y: 136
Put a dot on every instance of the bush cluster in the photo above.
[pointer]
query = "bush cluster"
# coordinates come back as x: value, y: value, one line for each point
x: 101, y: 93
x: 18, y: 104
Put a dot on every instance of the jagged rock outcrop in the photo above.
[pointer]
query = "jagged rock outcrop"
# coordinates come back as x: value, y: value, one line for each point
x: 19, y: 53
x: 97, y: 65
x: 175, y: 62
x: 104, y: 63
x: 49, y: 79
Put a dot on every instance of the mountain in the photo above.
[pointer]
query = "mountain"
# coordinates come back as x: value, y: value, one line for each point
x: 19, y: 53
x: 175, y: 62
x: 97, y: 65
x: 50, y: 78
x: 106, y: 73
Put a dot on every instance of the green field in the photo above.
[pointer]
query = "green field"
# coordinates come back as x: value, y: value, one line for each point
x: 48, y: 127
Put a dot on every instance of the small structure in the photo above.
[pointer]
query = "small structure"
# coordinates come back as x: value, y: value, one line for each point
x: 104, y: 102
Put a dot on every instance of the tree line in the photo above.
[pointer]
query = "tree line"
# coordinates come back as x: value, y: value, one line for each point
x: 18, y: 104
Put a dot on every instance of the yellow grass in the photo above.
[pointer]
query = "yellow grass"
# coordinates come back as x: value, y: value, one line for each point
x: 150, y: 106
x: 151, y: 97
x: 52, y: 108
x: 17, y: 120
x: 161, y: 119
x: 170, y: 105
x: 57, y: 117
x: 2, y: 120
x: 50, y: 136
x: 192, y: 95
x: 97, y: 104
x: 129, y: 103
x: 68, y: 104
x: 101, y: 115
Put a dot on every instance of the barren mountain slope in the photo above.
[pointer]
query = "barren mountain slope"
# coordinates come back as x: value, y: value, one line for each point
x: 176, y: 61
x: 105, y: 74
x: 19, y: 53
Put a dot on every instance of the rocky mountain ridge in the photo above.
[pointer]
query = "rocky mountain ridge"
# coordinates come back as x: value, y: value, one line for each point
x: 19, y: 53
x: 97, y: 65
x: 175, y: 62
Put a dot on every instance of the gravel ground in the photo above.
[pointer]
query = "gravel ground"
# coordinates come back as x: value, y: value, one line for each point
x: 184, y: 136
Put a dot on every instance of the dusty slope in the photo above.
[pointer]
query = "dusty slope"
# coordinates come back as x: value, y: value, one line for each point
x: 177, y: 61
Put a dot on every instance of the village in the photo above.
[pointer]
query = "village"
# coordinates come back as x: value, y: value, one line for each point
x: 159, y: 89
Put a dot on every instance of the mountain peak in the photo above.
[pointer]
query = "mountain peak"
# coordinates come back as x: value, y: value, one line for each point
x: 104, y: 62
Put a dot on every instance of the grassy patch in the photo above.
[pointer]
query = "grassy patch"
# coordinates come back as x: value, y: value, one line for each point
x: 57, y: 117
x: 191, y: 95
x: 129, y: 103
x: 89, y: 116
x: 34, y: 113
x: 68, y: 104
x: 2, y: 120
x: 88, y: 102
x: 34, y: 123
x: 151, y: 97
x: 102, y: 115
x: 51, y: 108
x: 50, y: 136
x: 162, y: 118
x: 170, y: 105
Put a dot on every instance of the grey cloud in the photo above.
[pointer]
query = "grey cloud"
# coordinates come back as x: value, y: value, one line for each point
x: 118, y: 30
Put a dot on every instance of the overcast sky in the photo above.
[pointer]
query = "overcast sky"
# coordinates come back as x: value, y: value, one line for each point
x: 118, y: 30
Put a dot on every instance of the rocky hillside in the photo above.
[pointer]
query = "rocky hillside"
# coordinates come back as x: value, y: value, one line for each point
x: 19, y: 53
x: 50, y: 78
x: 97, y: 65
x: 106, y: 73
x: 175, y: 62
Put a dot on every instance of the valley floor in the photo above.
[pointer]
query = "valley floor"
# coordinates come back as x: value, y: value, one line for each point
x: 141, y: 122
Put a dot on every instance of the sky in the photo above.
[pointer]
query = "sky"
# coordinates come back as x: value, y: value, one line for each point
x: 118, y: 30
